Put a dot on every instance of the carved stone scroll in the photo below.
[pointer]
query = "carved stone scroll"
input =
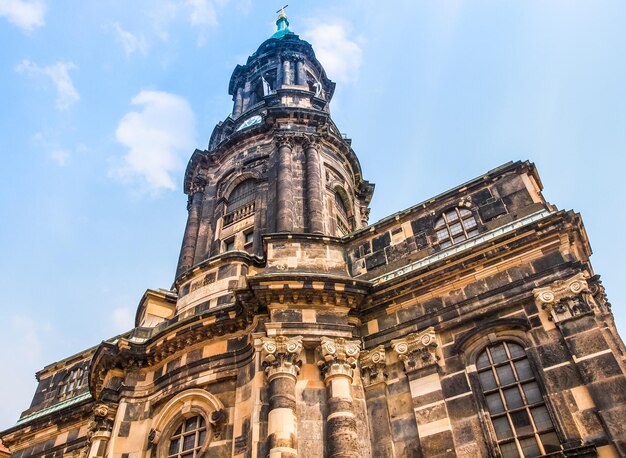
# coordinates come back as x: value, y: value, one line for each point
x: 373, y: 364
x: 417, y: 350
x: 564, y: 298
x: 281, y: 356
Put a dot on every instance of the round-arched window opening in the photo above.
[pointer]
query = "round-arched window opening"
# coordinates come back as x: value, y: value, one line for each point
x: 188, y: 438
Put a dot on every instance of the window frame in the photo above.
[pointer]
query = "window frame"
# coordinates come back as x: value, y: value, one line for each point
x: 444, y: 223
x: 481, y: 396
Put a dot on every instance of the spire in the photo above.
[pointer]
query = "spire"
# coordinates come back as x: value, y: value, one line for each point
x: 282, y: 24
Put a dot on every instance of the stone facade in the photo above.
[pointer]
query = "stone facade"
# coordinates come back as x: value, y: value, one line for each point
x: 471, y: 324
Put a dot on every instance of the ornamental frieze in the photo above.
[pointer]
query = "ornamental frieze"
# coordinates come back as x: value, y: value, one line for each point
x: 281, y: 356
x: 564, y: 298
x: 417, y: 350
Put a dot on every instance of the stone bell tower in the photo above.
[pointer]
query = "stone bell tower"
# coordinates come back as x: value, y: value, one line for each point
x: 277, y: 163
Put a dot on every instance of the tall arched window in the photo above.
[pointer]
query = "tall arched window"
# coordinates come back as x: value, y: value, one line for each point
x: 341, y: 212
x: 454, y: 226
x: 515, y: 403
x: 240, y: 202
x: 188, y: 438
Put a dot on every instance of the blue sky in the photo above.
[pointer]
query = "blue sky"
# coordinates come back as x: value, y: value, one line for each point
x: 104, y: 102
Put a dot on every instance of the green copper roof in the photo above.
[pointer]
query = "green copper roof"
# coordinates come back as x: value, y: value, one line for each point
x: 282, y: 26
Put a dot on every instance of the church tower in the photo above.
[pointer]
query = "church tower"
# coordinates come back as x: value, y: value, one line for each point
x: 277, y: 164
x: 471, y: 324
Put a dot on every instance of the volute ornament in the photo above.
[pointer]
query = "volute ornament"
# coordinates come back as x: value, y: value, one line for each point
x: 417, y: 350
x: 339, y: 356
x: 281, y: 356
x: 373, y: 364
x: 564, y: 298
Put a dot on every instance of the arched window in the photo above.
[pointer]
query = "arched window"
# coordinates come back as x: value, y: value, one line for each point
x: 240, y: 202
x: 454, y: 226
x: 341, y: 212
x: 515, y: 403
x: 188, y: 438
x: 72, y: 382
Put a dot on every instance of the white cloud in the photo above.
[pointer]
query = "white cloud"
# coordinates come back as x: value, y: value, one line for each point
x: 123, y: 319
x: 60, y: 157
x: 340, y: 56
x: 59, y: 75
x: 201, y: 13
x: 156, y: 138
x: 130, y: 42
x: 27, y: 15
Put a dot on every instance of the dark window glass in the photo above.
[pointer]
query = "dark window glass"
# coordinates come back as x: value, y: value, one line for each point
x: 243, y: 194
x: 487, y: 380
x: 513, y: 398
x: 509, y: 450
x: 520, y: 418
x: 505, y: 375
x: 188, y: 438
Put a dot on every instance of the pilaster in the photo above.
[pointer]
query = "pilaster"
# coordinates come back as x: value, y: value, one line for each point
x: 570, y: 304
x: 418, y: 352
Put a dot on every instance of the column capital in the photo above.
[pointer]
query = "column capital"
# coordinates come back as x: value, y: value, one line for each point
x: 417, y: 350
x: 198, y: 184
x: 339, y: 356
x: 284, y: 141
x: 281, y: 356
x: 562, y: 298
x: 373, y: 364
x: 310, y: 141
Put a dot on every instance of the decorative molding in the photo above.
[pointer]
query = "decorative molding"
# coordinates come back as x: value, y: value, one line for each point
x: 373, y: 364
x: 339, y: 357
x: 417, y: 350
x: 281, y: 356
x: 563, y: 298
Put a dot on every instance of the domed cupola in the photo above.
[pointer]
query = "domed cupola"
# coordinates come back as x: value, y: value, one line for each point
x: 283, y: 71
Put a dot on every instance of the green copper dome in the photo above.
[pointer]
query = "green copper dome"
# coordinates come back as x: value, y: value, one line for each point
x: 282, y: 26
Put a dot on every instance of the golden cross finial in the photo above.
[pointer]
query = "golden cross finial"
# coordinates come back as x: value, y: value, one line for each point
x: 281, y: 11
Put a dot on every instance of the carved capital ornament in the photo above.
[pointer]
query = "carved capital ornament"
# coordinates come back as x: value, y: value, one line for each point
x: 373, y: 364
x: 417, y: 350
x: 281, y: 356
x: 339, y: 356
x: 563, y: 298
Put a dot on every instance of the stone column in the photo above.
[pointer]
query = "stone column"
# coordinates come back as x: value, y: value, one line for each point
x: 185, y: 261
x: 281, y: 358
x: 300, y: 73
x: 284, y: 186
x: 238, y: 102
x: 313, y: 187
x: 339, y: 358
x: 287, y: 72
x: 205, y: 225
x: 418, y: 353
